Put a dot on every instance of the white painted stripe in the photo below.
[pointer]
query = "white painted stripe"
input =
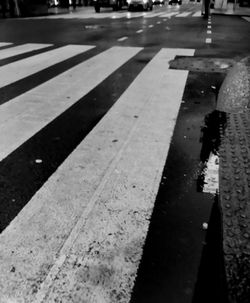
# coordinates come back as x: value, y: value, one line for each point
x: 209, y: 22
x: 151, y: 25
x: 211, y: 179
x: 169, y: 15
x: 21, y: 49
x: 209, y: 32
x: 122, y: 39
x: 246, y: 18
x: 153, y: 14
x: 209, y: 26
x: 197, y: 14
x: 110, y: 187
x: 25, y: 115
x: 139, y: 31
x: 129, y: 15
x: 208, y: 40
x: 23, y: 68
x: 5, y: 44
x: 159, y: 22
x: 184, y: 14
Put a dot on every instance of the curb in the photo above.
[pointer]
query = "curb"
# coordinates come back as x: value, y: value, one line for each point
x: 234, y: 180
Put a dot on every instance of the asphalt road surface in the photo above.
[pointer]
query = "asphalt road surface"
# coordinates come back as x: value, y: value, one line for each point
x: 108, y: 150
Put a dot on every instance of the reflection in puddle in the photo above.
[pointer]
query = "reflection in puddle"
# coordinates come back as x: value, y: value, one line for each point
x: 208, y: 180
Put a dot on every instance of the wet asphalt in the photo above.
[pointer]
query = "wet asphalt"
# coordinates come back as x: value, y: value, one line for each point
x: 181, y: 261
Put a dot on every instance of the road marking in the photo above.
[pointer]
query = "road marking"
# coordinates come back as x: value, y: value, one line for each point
x: 184, y: 14
x: 197, y: 14
x: 23, y: 68
x: 159, y: 22
x: 208, y: 40
x: 113, y: 194
x: 152, y: 15
x: 151, y: 25
x: 246, y: 18
x: 5, y: 44
x: 21, y: 49
x: 24, y: 115
x: 209, y: 26
x: 164, y: 20
x: 209, y: 32
x: 169, y: 15
x: 139, y: 31
x: 122, y: 39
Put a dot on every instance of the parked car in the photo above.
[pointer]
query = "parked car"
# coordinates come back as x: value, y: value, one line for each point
x: 175, y: 1
x: 115, y: 4
x: 158, y: 2
x: 142, y: 4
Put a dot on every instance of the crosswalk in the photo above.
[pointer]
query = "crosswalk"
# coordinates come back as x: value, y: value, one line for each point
x: 80, y: 211
x: 124, y: 14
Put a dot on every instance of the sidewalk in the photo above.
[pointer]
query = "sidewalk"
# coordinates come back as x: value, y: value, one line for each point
x: 234, y: 179
x: 232, y: 10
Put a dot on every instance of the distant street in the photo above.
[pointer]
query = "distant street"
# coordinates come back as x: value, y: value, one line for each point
x: 108, y: 150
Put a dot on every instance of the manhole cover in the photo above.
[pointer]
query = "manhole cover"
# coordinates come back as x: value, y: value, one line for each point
x: 208, y: 65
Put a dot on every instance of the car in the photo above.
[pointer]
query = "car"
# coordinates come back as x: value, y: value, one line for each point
x: 159, y: 2
x: 142, y: 4
x: 115, y: 4
x: 175, y: 1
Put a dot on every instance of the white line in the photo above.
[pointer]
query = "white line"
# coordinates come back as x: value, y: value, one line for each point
x: 94, y: 211
x: 23, y: 116
x: 159, y: 22
x: 139, y: 31
x: 122, y: 39
x: 151, y: 25
x: 197, y: 14
x: 169, y: 15
x: 5, y: 44
x: 23, y: 68
x: 209, y: 32
x: 247, y: 19
x: 184, y: 14
x: 209, y: 26
x: 152, y: 15
x: 21, y: 49
x: 208, y: 40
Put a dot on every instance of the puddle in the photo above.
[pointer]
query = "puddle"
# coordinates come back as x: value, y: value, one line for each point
x: 214, y: 124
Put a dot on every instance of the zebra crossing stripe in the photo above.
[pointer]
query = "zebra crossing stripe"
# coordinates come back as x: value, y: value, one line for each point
x: 152, y: 15
x: 24, y: 115
x: 168, y: 15
x: 23, y: 68
x: 5, y: 44
x: 129, y: 15
x: 197, y: 14
x: 246, y: 18
x: 184, y: 14
x: 101, y: 207
x: 21, y: 49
